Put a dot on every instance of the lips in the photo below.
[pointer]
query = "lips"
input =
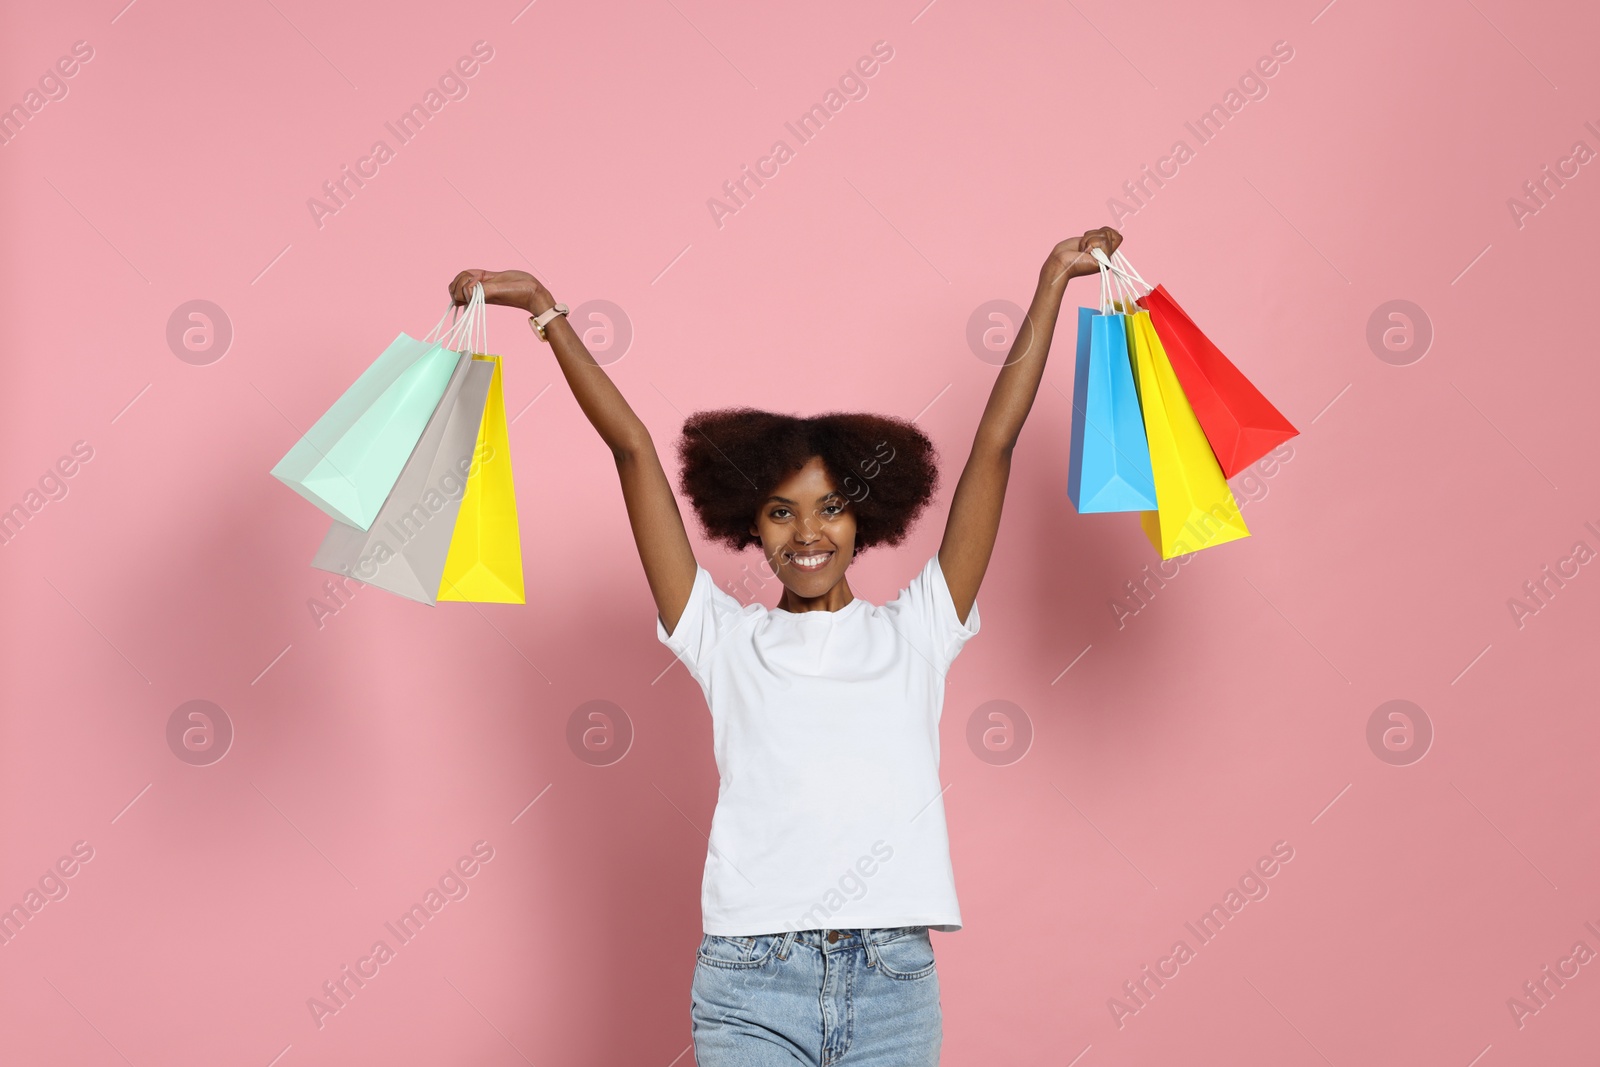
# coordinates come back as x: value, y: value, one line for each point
x: 810, y: 561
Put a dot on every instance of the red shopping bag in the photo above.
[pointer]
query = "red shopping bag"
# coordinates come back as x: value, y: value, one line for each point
x: 1240, y: 423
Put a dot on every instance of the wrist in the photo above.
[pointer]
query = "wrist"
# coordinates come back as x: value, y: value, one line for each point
x: 540, y: 302
x: 1053, y: 281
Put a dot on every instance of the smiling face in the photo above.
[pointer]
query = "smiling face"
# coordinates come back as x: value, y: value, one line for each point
x: 808, y: 534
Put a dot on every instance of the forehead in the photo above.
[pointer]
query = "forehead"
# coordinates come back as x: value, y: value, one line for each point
x: 810, y: 482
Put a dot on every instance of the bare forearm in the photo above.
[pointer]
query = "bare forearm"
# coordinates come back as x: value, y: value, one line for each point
x: 969, y: 534
x: 1017, y: 384
x: 597, y: 395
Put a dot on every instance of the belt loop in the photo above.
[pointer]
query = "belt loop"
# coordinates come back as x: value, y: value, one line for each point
x: 788, y: 941
x: 872, y: 950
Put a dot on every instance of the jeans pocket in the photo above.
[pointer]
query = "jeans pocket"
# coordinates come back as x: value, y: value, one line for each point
x: 905, y: 954
x: 737, y: 953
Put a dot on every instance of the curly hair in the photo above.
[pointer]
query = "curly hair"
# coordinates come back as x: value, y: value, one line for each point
x: 733, y: 457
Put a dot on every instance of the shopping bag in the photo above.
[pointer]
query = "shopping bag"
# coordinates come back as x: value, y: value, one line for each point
x: 404, y: 551
x: 1240, y: 423
x: 348, y: 461
x: 485, y: 559
x: 1195, y: 509
x: 1108, y: 467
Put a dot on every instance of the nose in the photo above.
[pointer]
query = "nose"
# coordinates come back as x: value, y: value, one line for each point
x: 806, y: 532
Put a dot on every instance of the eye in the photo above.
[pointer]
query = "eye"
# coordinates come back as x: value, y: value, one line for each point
x: 778, y: 514
x: 833, y: 510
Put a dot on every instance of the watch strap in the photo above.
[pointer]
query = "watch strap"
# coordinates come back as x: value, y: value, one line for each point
x: 544, y: 318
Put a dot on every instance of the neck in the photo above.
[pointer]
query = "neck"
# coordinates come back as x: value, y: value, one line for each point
x: 833, y: 600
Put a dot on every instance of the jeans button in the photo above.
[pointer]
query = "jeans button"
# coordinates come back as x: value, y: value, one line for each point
x: 833, y: 936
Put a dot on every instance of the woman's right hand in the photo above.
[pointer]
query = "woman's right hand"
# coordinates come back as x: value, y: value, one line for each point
x: 511, y: 288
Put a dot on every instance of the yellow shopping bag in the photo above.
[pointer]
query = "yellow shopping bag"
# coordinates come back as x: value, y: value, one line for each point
x: 1195, y: 509
x: 485, y: 560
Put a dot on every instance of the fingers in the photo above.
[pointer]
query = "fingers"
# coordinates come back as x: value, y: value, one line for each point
x: 1110, y: 237
x: 461, y: 286
x: 1104, y: 238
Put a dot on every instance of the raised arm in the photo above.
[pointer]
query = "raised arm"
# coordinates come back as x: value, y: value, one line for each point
x: 980, y: 494
x: 669, y: 564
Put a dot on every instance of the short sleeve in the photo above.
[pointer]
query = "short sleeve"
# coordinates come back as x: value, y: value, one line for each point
x: 709, y: 614
x: 925, y: 613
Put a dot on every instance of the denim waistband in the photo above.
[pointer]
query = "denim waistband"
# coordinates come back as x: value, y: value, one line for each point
x: 843, y: 939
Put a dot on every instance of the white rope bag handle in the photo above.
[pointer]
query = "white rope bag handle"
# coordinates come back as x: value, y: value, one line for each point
x: 1119, y: 263
x: 1111, y: 277
x: 1122, y: 260
x: 450, y: 311
x: 1105, y: 290
x: 1123, y: 270
x: 477, y: 338
x: 471, y: 325
x: 464, y: 335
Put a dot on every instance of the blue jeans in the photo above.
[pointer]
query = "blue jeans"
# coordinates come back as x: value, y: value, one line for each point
x: 861, y: 998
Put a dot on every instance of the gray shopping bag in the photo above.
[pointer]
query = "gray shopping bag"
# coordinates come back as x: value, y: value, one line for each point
x: 405, y: 549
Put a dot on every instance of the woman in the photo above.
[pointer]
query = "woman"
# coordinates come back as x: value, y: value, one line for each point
x: 829, y: 860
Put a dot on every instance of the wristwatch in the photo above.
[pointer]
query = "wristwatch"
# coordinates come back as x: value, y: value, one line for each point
x: 540, y: 321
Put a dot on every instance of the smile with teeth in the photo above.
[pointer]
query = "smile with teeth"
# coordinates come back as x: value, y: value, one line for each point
x: 810, y: 561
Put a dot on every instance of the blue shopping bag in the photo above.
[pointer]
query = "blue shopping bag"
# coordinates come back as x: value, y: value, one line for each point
x: 1109, y: 465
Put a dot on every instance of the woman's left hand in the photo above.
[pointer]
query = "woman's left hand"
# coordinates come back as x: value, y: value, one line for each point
x: 1071, y: 259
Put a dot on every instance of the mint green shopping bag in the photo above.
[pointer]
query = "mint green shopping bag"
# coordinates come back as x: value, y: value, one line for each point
x: 347, y: 463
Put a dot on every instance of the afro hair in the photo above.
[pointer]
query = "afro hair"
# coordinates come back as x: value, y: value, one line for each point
x: 733, y: 457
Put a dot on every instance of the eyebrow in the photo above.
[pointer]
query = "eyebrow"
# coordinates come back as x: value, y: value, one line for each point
x: 786, y: 500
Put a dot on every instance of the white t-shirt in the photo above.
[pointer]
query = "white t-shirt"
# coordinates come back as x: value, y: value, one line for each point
x: 826, y: 731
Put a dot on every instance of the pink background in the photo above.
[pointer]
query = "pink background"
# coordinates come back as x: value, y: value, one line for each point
x: 1230, y: 713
